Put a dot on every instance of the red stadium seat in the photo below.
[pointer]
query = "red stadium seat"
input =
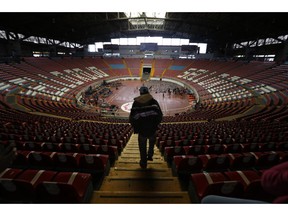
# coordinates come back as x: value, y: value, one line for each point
x: 234, y: 148
x: 215, y: 149
x: 241, y: 162
x: 22, y: 188
x: 66, y: 187
x: 10, y: 173
x: 184, y: 165
x: 251, y: 180
x: 112, y: 151
x: 166, y: 143
x: 271, y: 146
x: 170, y: 152
x: 215, y: 162
x: 266, y: 159
x: 213, y: 183
x: 195, y: 150
x: 283, y: 146
x: 116, y: 142
x: 21, y: 159
x: 250, y: 147
x: 66, y: 161
x: 47, y: 146
x: 87, y: 149
x: 41, y: 160
x: 94, y: 163
x: 245, y: 177
x: 69, y: 147
x: 32, y: 146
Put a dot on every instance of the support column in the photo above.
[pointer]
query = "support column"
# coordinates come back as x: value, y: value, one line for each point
x: 14, y: 49
x: 282, y: 55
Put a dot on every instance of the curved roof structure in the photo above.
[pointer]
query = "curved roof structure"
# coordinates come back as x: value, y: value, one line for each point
x: 201, y: 27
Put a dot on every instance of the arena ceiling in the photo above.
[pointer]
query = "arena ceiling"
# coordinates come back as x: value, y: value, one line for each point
x: 86, y: 28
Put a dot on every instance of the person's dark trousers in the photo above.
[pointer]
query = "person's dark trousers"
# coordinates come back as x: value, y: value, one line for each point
x: 142, y: 142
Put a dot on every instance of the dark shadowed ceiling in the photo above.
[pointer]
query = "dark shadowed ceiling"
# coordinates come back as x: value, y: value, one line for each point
x: 86, y: 28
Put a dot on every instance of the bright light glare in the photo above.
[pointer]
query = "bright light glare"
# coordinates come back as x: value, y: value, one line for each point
x: 138, y: 40
x: 148, y: 14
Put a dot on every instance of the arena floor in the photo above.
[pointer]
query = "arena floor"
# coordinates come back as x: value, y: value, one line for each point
x: 123, y: 97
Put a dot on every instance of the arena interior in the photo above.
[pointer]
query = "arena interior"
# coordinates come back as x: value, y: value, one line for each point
x: 66, y: 109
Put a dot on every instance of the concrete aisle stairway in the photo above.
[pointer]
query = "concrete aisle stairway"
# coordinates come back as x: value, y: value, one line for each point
x: 128, y: 183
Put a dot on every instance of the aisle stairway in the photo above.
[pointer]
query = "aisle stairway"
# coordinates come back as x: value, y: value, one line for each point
x: 128, y: 183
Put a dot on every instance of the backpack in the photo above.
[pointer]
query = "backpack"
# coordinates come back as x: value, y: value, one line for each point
x: 146, y: 119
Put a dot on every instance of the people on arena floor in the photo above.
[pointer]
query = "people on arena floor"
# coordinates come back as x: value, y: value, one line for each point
x: 145, y: 116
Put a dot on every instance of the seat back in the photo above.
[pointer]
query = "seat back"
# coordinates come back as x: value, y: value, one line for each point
x: 215, y: 149
x: 190, y: 165
x: 15, y: 190
x: 218, y: 163
x: 56, y: 192
x: 40, y: 160
x: 243, y: 162
x: 225, y: 188
x: 267, y: 160
x: 87, y: 149
x: 234, y: 148
x: 196, y: 150
x: 200, y: 182
x: 65, y: 161
x: 91, y: 163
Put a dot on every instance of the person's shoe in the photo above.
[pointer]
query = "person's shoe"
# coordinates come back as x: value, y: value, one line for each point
x: 150, y: 158
x: 143, y: 165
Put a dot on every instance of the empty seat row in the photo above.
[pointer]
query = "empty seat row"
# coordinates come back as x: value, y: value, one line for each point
x: 184, y: 165
x: 96, y: 164
x: 111, y: 151
x: 186, y: 142
x: 44, y: 186
x: 119, y: 143
x: 240, y: 184
x: 171, y: 151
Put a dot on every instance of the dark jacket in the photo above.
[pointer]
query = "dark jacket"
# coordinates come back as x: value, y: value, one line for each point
x: 145, y: 115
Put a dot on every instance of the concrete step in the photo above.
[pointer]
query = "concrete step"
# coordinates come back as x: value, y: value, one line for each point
x: 139, y: 197
x: 140, y: 173
x: 134, y: 163
x: 137, y: 157
x: 133, y: 154
x: 146, y: 183
x: 128, y: 183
